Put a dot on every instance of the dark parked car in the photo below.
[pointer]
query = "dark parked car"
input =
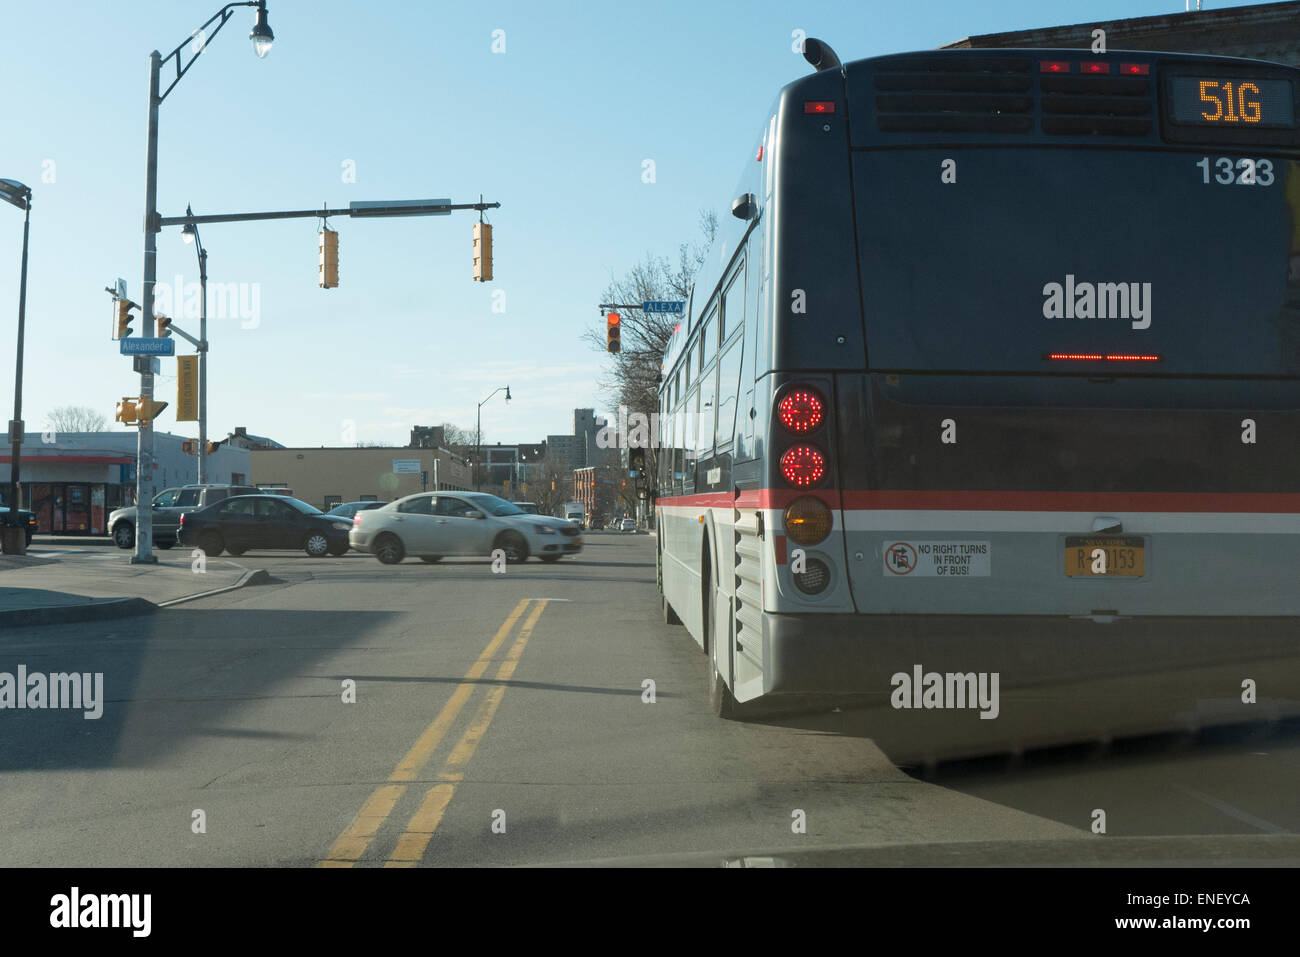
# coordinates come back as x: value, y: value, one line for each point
x: 25, y: 518
x: 349, y: 510
x: 264, y: 521
x: 168, y: 507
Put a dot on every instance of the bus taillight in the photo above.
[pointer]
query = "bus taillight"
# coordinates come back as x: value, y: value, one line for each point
x: 800, y: 410
x: 803, y: 466
x: 807, y: 520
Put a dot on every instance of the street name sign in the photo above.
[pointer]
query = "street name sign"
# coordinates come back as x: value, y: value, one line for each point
x: 140, y: 346
x: 674, y: 307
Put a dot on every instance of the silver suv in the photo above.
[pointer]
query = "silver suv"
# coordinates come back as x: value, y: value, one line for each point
x: 168, y: 506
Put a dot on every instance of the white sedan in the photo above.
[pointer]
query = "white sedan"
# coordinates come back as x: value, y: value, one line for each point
x: 433, y: 524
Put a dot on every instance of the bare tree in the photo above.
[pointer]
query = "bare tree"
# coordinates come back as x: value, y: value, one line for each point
x: 76, y: 418
x: 633, y: 378
x: 457, y: 439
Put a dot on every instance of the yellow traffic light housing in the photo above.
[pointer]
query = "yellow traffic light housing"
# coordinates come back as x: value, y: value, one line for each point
x: 482, y: 252
x: 149, y: 409
x: 188, y: 446
x: 212, y: 447
x: 124, y: 318
x: 164, y: 325
x: 612, y: 324
x: 329, y: 258
x: 127, y: 412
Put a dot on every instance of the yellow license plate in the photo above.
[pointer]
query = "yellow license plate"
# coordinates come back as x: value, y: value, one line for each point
x: 1105, y: 556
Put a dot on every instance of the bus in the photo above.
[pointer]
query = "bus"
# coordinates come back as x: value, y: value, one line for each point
x: 995, y: 369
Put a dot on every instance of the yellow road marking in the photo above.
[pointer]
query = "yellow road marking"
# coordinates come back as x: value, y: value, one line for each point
x: 352, y: 843
x: 419, y: 830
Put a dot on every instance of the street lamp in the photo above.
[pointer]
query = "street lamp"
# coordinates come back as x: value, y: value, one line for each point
x: 261, y: 37
x: 190, y: 233
x: 15, y: 540
x: 478, y: 434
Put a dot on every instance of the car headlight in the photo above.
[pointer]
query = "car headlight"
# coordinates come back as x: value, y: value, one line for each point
x: 545, y: 530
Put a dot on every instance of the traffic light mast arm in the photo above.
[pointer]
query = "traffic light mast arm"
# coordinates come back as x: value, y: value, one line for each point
x: 187, y: 337
x: 429, y: 209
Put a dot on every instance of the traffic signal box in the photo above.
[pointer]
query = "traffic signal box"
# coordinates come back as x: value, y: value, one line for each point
x: 126, y: 411
x: 164, y: 325
x: 149, y: 409
x: 612, y: 323
x: 124, y: 318
x: 329, y: 258
x: 482, y: 252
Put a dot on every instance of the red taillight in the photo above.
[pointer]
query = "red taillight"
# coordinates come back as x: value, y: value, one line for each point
x: 182, y: 521
x: 356, y: 519
x: 803, y: 466
x: 1135, y: 69
x: 819, y: 106
x: 800, y: 410
x: 1100, y: 357
x: 1054, y: 66
x: 1094, y: 68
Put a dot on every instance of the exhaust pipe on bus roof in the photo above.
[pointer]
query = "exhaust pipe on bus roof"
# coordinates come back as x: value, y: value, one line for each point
x: 820, y: 55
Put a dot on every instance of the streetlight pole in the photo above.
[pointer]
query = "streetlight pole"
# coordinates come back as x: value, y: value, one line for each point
x: 19, y: 195
x: 478, y: 436
x: 261, y: 37
x: 190, y: 233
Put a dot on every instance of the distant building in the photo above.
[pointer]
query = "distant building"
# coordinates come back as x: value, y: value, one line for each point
x: 326, y: 477
x: 75, y: 479
x: 1264, y: 31
x: 240, y: 439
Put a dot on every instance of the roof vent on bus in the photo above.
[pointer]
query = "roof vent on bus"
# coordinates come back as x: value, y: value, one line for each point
x: 820, y: 55
x: 946, y: 94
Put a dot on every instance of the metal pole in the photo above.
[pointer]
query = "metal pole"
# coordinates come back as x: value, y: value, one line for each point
x: 478, y: 442
x: 16, y: 455
x: 203, y: 359
x: 144, y: 458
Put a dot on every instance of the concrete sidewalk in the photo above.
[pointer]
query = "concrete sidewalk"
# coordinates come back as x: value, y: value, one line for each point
x: 49, y: 587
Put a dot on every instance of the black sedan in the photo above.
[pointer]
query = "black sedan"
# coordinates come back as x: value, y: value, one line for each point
x: 25, y: 518
x: 264, y: 521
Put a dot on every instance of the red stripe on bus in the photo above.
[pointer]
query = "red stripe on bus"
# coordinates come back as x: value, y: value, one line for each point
x: 1004, y: 501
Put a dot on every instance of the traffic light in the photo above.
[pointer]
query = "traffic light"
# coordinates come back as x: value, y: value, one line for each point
x: 482, y: 252
x: 189, y: 447
x: 212, y: 447
x: 126, y: 412
x: 329, y: 258
x: 164, y: 325
x: 149, y: 409
x: 612, y: 322
x: 124, y: 318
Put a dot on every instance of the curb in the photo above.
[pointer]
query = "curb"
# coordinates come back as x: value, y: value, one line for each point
x: 258, y: 576
x: 109, y: 608
x: 93, y: 611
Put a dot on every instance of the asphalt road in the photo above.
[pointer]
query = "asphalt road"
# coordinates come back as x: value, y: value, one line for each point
x: 505, y: 719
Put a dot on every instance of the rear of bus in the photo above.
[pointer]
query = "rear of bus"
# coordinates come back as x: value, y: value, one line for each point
x: 1054, y: 325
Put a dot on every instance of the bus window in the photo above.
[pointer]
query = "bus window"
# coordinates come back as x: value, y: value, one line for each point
x: 708, y: 409
x: 728, y: 387
x: 686, y: 443
x: 733, y: 307
x: 709, y: 339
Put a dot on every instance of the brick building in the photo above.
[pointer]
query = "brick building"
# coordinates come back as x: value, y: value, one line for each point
x: 1264, y: 31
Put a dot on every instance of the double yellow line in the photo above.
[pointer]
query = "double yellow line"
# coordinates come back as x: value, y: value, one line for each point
x: 352, y: 844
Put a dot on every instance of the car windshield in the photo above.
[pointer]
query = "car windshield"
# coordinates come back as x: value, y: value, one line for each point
x: 497, y: 506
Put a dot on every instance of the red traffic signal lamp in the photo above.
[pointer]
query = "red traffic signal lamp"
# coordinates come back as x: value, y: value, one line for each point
x: 612, y: 324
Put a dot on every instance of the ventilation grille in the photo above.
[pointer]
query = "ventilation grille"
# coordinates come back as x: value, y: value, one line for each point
x: 937, y: 94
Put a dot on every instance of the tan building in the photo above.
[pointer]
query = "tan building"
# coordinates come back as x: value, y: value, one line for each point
x: 325, y: 477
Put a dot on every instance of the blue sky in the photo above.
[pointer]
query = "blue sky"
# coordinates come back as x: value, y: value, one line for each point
x: 556, y: 129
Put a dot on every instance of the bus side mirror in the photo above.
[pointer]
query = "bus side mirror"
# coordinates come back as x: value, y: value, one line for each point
x: 745, y: 207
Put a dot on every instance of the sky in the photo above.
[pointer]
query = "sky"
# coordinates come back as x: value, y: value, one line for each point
x: 397, y: 100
